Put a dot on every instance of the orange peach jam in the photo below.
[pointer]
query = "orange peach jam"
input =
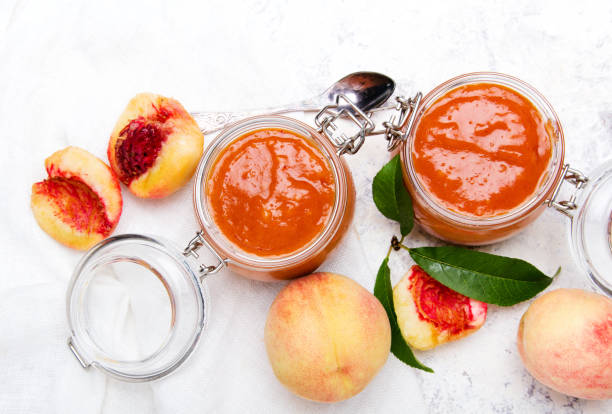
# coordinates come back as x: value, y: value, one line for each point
x: 481, y: 149
x: 271, y: 192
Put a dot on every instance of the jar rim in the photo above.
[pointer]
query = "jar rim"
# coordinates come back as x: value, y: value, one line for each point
x: 555, y: 168
x: 232, y: 253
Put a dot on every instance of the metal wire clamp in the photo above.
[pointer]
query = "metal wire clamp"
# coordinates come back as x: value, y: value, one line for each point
x: 396, y: 132
x: 575, y: 178
x: 344, y: 107
x: 191, y: 250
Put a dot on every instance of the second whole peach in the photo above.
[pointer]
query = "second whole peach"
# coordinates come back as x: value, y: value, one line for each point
x: 565, y: 341
x: 326, y: 337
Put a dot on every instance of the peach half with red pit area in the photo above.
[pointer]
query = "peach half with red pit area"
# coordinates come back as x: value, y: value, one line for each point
x: 155, y: 146
x: 326, y: 337
x: 565, y: 341
x: 80, y: 203
x: 430, y: 314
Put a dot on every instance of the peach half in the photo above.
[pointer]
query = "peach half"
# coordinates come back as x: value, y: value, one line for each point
x: 155, y: 146
x: 565, y: 341
x: 80, y: 203
x: 429, y: 313
x: 326, y: 337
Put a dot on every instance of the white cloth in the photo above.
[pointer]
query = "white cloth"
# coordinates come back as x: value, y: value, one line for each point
x: 66, y: 72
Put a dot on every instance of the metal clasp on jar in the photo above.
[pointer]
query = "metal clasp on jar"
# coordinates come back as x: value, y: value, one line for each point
x: 396, y: 132
x: 191, y: 250
x: 325, y: 121
x: 578, y: 180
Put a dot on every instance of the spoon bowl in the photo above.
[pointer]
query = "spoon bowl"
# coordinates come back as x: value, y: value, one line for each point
x: 367, y: 90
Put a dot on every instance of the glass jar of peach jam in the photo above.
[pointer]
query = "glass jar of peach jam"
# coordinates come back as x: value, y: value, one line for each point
x: 458, y: 225
x: 302, y: 259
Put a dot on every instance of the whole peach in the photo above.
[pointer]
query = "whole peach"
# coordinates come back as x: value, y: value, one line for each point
x: 565, y: 341
x: 326, y: 337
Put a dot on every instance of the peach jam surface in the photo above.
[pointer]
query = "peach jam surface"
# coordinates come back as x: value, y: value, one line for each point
x: 271, y: 192
x: 481, y: 150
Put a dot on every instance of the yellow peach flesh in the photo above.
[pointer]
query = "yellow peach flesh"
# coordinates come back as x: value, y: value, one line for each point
x: 80, y: 203
x: 419, y: 332
x: 46, y: 214
x: 78, y: 163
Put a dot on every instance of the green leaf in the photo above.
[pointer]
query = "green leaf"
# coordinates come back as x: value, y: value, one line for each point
x: 391, y: 197
x: 486, y: 277
x: 384, y: 292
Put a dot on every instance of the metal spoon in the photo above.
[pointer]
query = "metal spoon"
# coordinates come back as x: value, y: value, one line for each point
x: 367, y: 90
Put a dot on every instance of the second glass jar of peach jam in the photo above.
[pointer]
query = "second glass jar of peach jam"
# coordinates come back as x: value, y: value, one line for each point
x: 482, y: 156
x: 273, y: 197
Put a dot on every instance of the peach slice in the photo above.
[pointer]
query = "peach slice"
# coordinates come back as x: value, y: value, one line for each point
x: 565, y: 341
x: 430, y: 314
x: 326, y: 337
x: 155, y: 146
x: 80, y: 203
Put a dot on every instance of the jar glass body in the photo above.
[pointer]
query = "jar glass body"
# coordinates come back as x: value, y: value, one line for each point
x: 591, y: 227
x: 305, y: 259
x: 136, y: 308
x: 463, y: 229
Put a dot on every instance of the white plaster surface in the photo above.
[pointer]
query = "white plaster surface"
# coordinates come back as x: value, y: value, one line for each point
x: 68, y: 68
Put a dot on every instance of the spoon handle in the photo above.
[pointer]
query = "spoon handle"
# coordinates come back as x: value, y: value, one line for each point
x: 214, y: 121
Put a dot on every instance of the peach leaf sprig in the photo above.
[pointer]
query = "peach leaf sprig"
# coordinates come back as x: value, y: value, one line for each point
x: 464, y: 280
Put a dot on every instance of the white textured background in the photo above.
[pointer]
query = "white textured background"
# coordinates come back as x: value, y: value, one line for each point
x: 67, y: 69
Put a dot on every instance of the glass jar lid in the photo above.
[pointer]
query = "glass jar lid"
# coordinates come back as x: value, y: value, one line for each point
x: 136, y: 308
x: 591, y: 227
